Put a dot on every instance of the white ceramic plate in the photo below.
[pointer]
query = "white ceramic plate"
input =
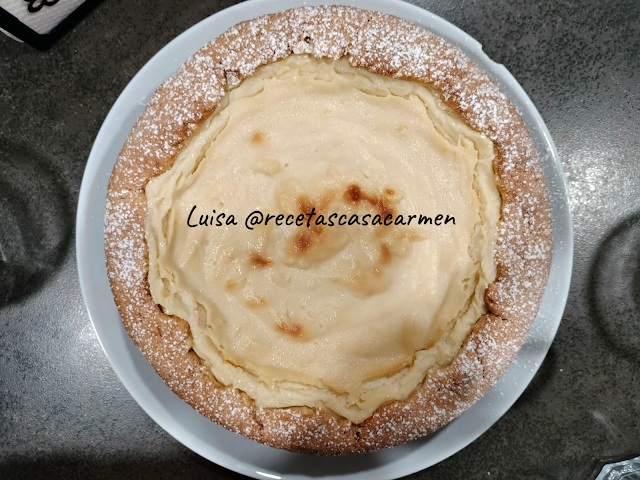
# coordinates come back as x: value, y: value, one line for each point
x: 214, y: 442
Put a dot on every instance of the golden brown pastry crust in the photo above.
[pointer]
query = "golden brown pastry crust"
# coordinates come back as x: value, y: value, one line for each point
x: 384, y: 45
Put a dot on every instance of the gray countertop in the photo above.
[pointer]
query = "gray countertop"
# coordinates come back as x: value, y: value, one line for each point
x: 63, y: 412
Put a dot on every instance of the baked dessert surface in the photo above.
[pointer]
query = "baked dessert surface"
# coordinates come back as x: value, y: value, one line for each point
x: 383, y: 45
x: 330, y: 312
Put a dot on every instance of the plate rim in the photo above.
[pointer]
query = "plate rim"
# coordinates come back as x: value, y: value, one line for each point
x: 153, y: 406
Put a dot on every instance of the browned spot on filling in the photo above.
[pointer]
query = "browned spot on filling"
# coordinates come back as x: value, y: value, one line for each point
x: 353, y: 193
x: 307, y: 237
x: 385, y: 254
x: 292, y: 328
x: 302, y: 242
x: 305, y: 204
x: 258, y: 138
x: 382, y: 205
x: 258, y: 261
x: 231, y: 285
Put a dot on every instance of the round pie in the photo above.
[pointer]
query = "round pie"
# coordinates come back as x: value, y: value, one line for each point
x: 329, y: 231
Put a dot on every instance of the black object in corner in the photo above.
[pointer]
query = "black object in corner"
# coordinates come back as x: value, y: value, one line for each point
x: 43, y: 42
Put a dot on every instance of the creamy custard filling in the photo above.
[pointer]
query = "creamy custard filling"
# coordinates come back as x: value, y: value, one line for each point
x: 346, y: 317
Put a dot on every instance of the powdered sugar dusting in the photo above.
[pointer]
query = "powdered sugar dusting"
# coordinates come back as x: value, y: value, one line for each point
x: 385, y: 45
